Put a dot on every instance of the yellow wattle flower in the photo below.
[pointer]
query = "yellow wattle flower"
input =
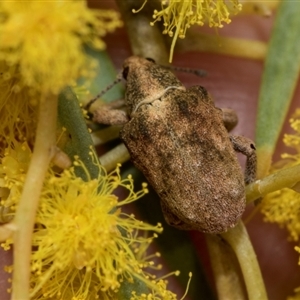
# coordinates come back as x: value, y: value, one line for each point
x: 13, y: 167
x: 18, y: 107
x: 84, y: 246
x: 46, y: 40
x: 42, y: 50
x: 178, y: 16
x: 83, y: 239
x: 293, y: 140
x: 282, y: 206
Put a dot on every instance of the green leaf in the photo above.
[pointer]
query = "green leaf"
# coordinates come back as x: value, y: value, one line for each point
x: 105, y: 75
x: 78, y: 141
x: 137, y: 286
x: 71, y: 116
x: 279, y: 80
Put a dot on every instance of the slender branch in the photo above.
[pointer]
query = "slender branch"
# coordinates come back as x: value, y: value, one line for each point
x: 119, y: 154
x: 283, y: 178
x: 239, y: 241
x: 25, y: 215
x: 145, y: 40
x: 105, y: 135
x: 227, y: 273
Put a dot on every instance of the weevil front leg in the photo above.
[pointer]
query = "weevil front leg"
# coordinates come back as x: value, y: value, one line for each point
x: 111, y: 113
x: 241, y: 144
x: 230, y: 118
x: 246, y: 146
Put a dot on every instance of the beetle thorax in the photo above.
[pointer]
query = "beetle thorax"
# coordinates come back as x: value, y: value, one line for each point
x: 146, y: 82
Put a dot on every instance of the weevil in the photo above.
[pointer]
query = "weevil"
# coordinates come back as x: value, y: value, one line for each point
x: 178, y: 139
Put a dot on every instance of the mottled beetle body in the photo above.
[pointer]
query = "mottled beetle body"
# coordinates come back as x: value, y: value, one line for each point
x: 177, y: 138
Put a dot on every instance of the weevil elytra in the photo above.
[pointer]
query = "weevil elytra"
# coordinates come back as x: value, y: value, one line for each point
x: 178, y: 139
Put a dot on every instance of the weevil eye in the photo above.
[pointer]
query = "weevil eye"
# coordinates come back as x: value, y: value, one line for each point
x: 125, y: 72
x: 150, y: 59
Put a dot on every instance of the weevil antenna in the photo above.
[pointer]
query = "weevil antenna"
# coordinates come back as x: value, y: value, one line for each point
x: 116, y: 81
x: 197, y: 72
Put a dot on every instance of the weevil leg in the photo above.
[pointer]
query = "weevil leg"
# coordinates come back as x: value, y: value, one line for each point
x: 111, y: 113
x: 230, y: 118
x: 246, y: 147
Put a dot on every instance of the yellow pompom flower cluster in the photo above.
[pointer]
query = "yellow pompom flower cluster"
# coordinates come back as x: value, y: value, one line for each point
x: 182, y: 14
x: 160, y: 291
x: 13, y: 168
x: 178, y: 16
x: 42, y: 50
x: 283, y: 206
x: 293, y: 140
x: 84, y: 246
x: 18, y: 110
x: 45, y: 39
x: 84, y: 241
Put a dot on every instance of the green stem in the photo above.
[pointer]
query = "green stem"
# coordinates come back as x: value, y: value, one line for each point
x: 145, y: 40
x: 110, y: 159
x: 102, y: 136
x: 226, y: 270
x: 77, y: 139
x: 239, y: 241
x: 283, y: 178
x: 26, y: 211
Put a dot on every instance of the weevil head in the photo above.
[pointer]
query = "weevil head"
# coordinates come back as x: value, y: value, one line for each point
x: 145, y: 81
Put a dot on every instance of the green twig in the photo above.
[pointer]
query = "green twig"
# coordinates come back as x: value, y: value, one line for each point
x: 102, y: 136
x: 145, y: 40
x: 26, y: 211
x: 110, y: 159
x: 283, y: 178
x: 228, y: 280
x: 239, y: 241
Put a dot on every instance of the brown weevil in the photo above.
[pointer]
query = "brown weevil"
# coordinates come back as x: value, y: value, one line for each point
x: 178, y: 139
